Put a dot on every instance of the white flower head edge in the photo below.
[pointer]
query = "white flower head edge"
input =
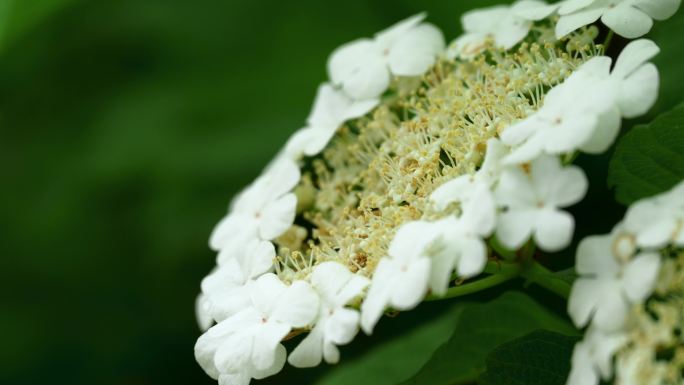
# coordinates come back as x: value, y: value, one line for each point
x: 363, y: 68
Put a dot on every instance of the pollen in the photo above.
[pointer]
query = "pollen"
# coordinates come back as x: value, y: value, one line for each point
x: 379, y: 170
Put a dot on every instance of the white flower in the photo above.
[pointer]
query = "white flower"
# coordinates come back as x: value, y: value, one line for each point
x: 585, y: 111
x: 203, y: 312
x: 592, y: 358
x: 247, y: 344
x: 532, y: 200
x: 658, y: 220
x: 225, y: 289
x: 364, y: 67
x: 336, y: 324
x: 461, y: 245
x: 628, y: 18
x: 464, y: 188
x: 264, y: 210
x: 401, y: 279
x: 330, y: 110
x: 610, y: 280
x: 507, y: 25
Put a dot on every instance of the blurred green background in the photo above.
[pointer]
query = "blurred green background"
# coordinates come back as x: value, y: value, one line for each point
x: 125, y: 128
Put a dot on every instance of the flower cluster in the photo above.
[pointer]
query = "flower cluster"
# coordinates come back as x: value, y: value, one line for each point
x: 630, y: 294
x: 414, y: 160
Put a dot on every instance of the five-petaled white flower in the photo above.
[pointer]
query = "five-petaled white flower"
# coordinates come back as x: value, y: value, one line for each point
x: 336, y: 324
x: 506, y: 24
x: 532, y: 196
x: 247, y: 344
x: 331, y: 109
x: 264, y: 210
x: 585, y: 111
x: 401, y: 278
x: 611, y: 279
x: 658, y: 220
x: 592, y: 358
x: 628, y: 18
x: 363, y: 68
x: 226, y: 288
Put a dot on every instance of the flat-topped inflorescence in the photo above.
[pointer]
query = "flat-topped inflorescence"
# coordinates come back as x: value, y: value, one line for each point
x: 416, y: 164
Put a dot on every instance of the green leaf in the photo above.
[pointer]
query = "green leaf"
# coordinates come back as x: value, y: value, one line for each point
x: 398, y: 358
x: 479, y: 330
x: 650, y: 158
x: 539, y: 358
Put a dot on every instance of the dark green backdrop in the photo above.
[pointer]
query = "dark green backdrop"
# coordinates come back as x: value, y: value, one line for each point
x: 126, y: 126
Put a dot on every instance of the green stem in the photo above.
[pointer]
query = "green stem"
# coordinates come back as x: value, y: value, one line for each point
x: 606, y: 43
x: 506, y: 271
x: 538, y: 274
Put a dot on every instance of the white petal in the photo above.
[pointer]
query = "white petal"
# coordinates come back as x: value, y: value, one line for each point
x: 235, y: 352
x: 594, y: 256
x: 570, y: 6
x: 232, y: 230
x: 582, y: 371
x: 512, y: 31
x: 571, y: 22
x: 388, y: 36
x: 612, y: 307
x: 514, y: 227
x: 519, y: 132
x: 554, y: 229
x: 410, y: 285
x: 333, y: 107
x: 484, y: 19
x: 265, y: 293
x: 277, y: 216
x: 342, y: 326
x: 266, y: 343
x: 226, y: 294
x: 558, y: 186
x: 607, y: 129
x: 309, y: 352
x: 202, y: 312
x: 242, y: 378
x: 515, y: 189
x: 479, y: 214
x: 411, y: 240
x: 331, y: 353
x: 533, y: 9
x: 258, y: 259
x: 352, y: 289
x: 441, y: 268
x: 640, y: 276
x: 298, y: 306
x: 360, y: 68
x: 582, y: 301
x: 205, y: 349
x: 526, y: 152
x: 414, y: 52
x: 277, y: 366
x: 653, y: 225
x: 279, y: 178
x: 467, y: 46
x: 658, y: 9
x: 473, y: 258
x: 633, y: 56
x: 639, y: 91
x: 378, y: 294
x: 627, y: 21
x: 451, y: 191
